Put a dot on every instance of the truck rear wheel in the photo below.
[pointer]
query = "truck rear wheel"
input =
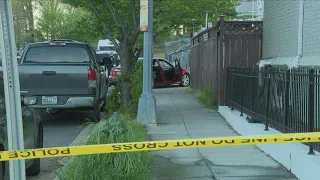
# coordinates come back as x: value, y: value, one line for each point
x: 96, y: 112
x: 35, y: 168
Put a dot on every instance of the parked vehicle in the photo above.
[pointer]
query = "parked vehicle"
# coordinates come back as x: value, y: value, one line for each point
x: 18, y: 59
x: 108, y: 61
x: 166, y: 73
x: 105, y: 46
x: 19, y: 53
x: 62, y: 74
x: 32, y: 132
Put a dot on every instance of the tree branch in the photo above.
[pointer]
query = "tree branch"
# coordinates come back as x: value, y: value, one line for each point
x: 109, y: 34
x: 120, y: 24
x: 135, y: 34
x: 137, y: 53
x: 136, y: 24
x: 135, y: 18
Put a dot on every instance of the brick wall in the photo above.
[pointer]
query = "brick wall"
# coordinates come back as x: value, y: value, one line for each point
x: 280, y: 34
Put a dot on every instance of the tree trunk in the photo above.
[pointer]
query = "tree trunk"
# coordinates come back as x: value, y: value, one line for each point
x: 30, y: 21
x: 126, y: 57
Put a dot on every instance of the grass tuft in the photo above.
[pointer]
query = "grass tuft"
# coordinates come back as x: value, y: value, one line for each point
x: 113, y: 166
x: 206, y: 97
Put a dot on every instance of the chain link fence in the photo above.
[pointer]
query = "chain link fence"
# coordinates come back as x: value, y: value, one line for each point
x: 178, y: 50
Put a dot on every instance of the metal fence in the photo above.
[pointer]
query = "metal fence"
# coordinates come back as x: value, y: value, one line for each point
x: 286, y: 100
x: 178, y: 49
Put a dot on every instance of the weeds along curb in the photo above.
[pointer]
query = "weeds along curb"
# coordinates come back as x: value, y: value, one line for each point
x: 78, y: 141
x: 133, y: 166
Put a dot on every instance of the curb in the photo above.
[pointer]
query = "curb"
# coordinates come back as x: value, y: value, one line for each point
x: 293, y: 156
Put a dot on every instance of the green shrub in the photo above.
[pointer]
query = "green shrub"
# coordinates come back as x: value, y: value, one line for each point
x: 136, y: 80
x: 206, y: 96
x: 113, y: 101
x: 112, y: 166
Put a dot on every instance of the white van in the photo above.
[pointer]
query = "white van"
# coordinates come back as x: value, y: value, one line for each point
x: 105, y: 46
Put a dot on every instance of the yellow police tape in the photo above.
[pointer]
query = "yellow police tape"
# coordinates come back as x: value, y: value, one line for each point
x: 158, y: 145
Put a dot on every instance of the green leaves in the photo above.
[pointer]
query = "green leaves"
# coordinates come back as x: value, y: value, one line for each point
x: 192, y: 13
x: 59, y: 20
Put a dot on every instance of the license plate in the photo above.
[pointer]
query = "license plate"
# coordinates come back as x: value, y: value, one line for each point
x: 49, y: 99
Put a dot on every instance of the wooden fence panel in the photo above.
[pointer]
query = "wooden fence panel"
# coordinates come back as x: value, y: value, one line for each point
x: 228, y: 43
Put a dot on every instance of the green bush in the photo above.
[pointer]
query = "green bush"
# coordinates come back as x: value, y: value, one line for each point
x: 136, y: 80
x: 206, y: 96
x: 112, y: 166
x: 114, y: 101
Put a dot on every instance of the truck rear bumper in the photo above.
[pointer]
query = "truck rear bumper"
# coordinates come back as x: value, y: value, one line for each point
x: 72, y: 102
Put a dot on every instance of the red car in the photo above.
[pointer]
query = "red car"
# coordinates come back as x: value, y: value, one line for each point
x: 166, y: 73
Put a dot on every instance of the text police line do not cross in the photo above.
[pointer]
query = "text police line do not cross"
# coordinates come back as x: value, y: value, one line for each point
x: 159, y: 145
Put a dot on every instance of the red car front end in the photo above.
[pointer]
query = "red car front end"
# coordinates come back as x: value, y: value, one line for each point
x: 114, y: 74
x: 181, y: 77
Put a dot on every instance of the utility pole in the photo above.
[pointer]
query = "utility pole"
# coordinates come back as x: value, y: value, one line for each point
x: 147, y: 104
x: 11, y: 89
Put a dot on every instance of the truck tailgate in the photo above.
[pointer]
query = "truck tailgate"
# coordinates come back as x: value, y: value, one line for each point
x: 52, y: 79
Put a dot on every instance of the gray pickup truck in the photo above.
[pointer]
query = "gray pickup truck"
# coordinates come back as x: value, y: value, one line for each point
x: 62, y: 74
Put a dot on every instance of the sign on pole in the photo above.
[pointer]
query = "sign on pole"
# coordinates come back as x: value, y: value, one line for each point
x: 144, y: 15
x: 11, y: 89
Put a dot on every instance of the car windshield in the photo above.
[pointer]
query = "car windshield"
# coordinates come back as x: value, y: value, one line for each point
x: 57, y: 54
x: 107, y: 48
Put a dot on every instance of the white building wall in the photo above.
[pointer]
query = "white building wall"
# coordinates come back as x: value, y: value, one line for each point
x: 280, y: 28
x: 311, y: 28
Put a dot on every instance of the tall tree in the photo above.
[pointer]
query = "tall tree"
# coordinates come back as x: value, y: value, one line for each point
x: 52, y: 18
x: 120, y: 20
x: 23, y: 21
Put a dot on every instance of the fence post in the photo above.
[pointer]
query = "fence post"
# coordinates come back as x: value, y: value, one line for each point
x: 311, y: 107
x: 266, y: 128
x: 221, y: 70
x: 242, y: 92
x: 286, y: 103
x: 232, y: 88
x: 253, y: 88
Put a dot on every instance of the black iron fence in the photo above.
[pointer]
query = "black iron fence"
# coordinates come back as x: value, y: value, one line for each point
x: 286, y: 100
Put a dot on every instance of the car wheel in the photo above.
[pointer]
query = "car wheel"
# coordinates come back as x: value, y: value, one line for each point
x: 185, y: 81
x: 35, y: 168
x: 104, y: 103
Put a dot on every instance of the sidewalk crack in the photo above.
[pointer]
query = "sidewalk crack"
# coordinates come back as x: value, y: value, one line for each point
x: 206, y: 162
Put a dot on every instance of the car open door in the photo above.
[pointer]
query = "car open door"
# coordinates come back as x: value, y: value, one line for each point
x: 159, y: 72
x: 178, y: 70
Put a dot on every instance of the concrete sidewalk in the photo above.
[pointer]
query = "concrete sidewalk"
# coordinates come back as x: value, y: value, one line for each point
x: 181, y: 116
